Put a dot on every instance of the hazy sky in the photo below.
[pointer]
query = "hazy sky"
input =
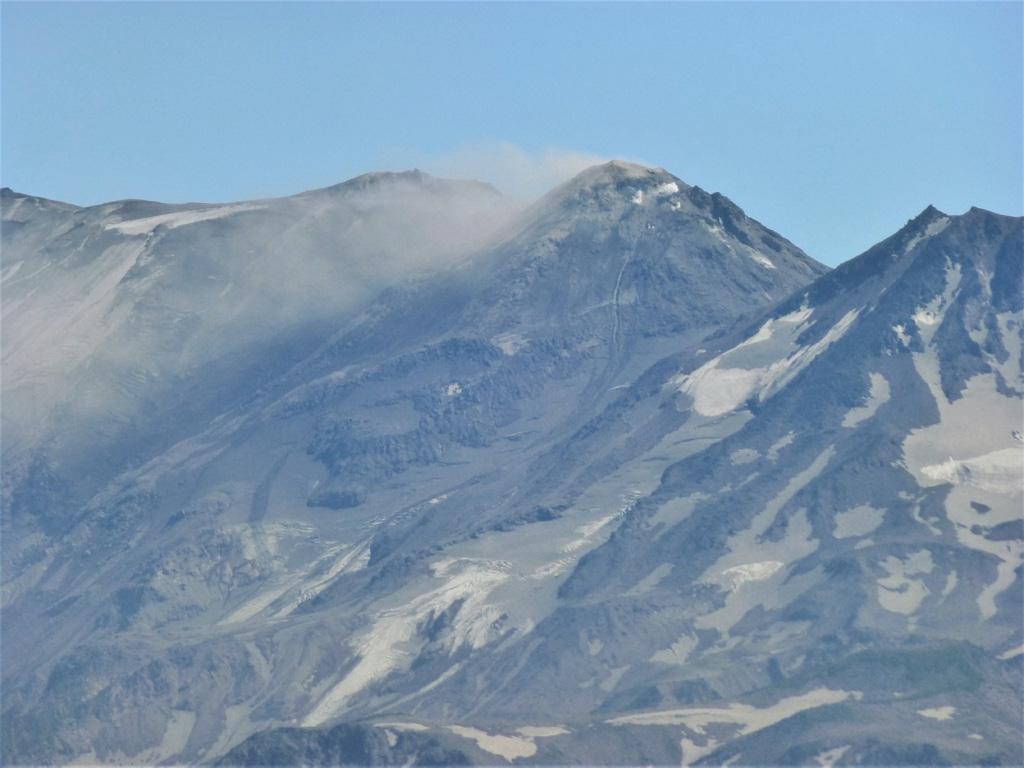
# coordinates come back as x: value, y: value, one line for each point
x: 832, y: 123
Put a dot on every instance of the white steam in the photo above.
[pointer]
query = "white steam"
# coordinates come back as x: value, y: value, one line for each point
x: 509, y: 167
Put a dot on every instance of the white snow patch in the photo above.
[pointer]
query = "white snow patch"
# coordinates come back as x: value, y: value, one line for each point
x: 403, y: 726
x: 351, y: 561
x: 972, y: 448
x: 542, y: 731
x: 556, y: 567
x: 589, y: 529
x: 924, y: 317
x: 749, y: 717
x: 741, y: 574
x: 718, y: 391
x: 509, y: 747
x: 778, y: 445
x: 930, y: 231
x: 180, y: 218
x: 928, y: 317
x: 386, y: 646
x: 898, y: 592
x: 744, y: 456
x: 638, y: 197
x: 858, y: 521
x: 669, y: 188
x: 693, y: 752
x: 951, y: 581
x: 1012, y: 653
x: 453, y: 389
x: 678, y: 652
x: 718, y: 388
x: 761, y: 259
x: 750, y: 555
x: 830, y: 757
x: 938, y: 713
x: 1000, y: 472
x: 509, y: 343
x: 609, y: 683
x: 901, y: 334
x: 1012, y: 368
x: 878, y: 395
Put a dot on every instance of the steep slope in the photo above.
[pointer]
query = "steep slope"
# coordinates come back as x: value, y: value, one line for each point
x: 122, y: 317
x: 324, y: 540
x: 832, y: 576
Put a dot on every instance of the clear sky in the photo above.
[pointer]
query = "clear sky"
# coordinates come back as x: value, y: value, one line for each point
x: 832, y: 123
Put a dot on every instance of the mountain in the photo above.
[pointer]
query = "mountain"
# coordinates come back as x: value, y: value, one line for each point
x: 126, y: 319
x: 625, y: 477
x: 833, y: 575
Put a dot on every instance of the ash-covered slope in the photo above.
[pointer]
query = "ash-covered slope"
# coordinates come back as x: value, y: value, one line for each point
x: 303, y: 519
x: 815, y: 558
x: 125, y: 324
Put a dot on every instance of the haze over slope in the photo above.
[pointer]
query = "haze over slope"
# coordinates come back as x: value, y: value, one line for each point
x: 631, y: 480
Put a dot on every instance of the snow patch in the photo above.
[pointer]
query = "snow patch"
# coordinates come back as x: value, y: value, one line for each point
x: 750, y: 555
x: 877, y: 396
x: 1000, y: 472
x: 638, y: 197
x: 938, y: 713
x: 741, y: 574
x: 609, y: 683
x: 718, y: 387
x: 830, y: 757
x: 761, y: 259
x: 180, y: 219
x: 858, y: 521
x: 901, y: 334
x: 669, y: 188
x: 509, y: 747
x: 744, y: 456
x: 750, y: 718
x: 1012, y: 653
x: 678, y: 652
x: 403, y: 726
x: 973, y: 448
x: 930, y: 316
x: 898, y: 592
x: 542, y: 731
x: 778, y: 445
x: 509, y: 343
x: 930, y: 231
x: 951, y: 581
x: 386, y: 646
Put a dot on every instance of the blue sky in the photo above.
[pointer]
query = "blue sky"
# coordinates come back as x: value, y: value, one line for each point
x: 832, y: 123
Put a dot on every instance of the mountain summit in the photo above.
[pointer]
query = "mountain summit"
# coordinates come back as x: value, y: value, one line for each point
x: 620, y: 477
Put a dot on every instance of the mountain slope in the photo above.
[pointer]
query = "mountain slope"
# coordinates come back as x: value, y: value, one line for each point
x: 832, y: 575
x: 304, y: 522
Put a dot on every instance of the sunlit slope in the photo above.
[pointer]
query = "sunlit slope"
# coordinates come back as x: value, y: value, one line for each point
x: 800, y: 544
x: 279, y: 538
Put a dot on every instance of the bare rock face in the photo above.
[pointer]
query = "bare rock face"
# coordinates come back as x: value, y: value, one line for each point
x: 395, y: 471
